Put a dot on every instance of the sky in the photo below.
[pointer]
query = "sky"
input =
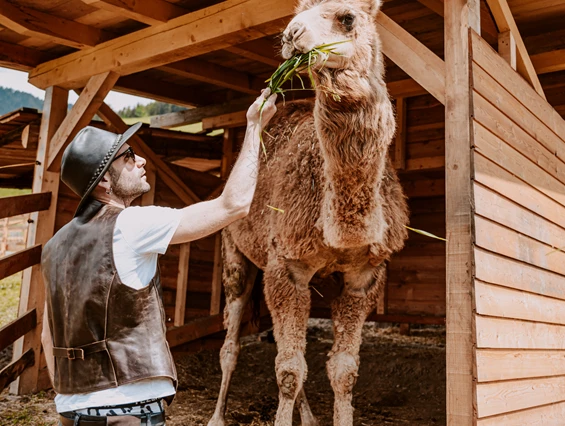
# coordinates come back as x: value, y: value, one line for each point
x: 17, y: 80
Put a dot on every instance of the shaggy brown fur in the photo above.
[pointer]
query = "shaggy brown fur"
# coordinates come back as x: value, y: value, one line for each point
x: 344, y: 210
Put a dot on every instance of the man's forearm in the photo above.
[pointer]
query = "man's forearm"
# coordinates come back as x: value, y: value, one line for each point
x: 242, y: 181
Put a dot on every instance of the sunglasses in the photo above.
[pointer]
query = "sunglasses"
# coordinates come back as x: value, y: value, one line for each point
x: 127, y: 154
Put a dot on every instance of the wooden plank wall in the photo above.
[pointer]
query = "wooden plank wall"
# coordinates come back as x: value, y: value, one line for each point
x: 416, y: 275
x: 519, y: 193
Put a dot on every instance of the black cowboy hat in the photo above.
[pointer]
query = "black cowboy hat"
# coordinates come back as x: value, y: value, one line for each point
x: 88, y: 157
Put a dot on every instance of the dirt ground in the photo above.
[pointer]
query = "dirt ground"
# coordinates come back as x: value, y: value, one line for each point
x: 401, y: 382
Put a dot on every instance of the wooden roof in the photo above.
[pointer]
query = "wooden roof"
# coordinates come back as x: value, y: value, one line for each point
x: 219, y: 62
x: 19, y: 132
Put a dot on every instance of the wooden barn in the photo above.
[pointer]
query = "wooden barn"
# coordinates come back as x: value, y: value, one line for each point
x: 479, y: 88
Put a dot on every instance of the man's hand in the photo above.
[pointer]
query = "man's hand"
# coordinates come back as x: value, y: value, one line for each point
x: 262, y: 110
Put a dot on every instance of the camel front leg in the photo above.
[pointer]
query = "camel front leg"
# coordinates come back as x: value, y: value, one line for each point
x: 238, y: 279
x: 288, y: 299
x: 349, y: 312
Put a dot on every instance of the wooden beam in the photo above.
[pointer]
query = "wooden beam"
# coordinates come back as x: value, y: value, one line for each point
x: 33, y: 23
x: 400, y: 140
x: 460, y: 17
x: 424, y: 66
x: 150, y: 12
x: 195, y: 115
x: 30, y: 136
x: 216, y: 296
x: 182, y: 284
x: 165, y: 173
x: 434, y: 5
x: 260, y: 50
x: 399, y: 88
x: 21, y: 204
x: 148, y: 199
x: 227, y: 153
x: 19, y: 261
x: 549, y: 61
x: 13, y: 370
x: 41, y: 229
x: 507, y: 48
x: 80, y: 115
x: 195, y: 329
x: 233, y: 119
x: 17, y: 328
x: 216, y: 27
x: 208, y: 72
x: 505, y: 21
x: 20, y: 57
x: 12, y: 136
x: 164, y: 91
x: 488, y: 27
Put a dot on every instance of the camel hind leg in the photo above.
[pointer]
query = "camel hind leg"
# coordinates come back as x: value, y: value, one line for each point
x: 349, y: 312
x: 238, y: 277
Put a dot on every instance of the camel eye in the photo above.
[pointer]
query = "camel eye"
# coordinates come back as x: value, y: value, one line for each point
x: 347, y: 20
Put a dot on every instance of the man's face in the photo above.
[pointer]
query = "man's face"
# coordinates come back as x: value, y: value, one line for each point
x: 127, y: 174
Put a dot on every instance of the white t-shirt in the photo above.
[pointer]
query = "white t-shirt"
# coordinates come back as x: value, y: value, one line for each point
x: 140, y: 235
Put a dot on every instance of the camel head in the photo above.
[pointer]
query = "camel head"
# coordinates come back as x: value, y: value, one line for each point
x: 319, y: 22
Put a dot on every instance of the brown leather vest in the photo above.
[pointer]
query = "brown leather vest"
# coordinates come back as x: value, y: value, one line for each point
x: 105, y: 334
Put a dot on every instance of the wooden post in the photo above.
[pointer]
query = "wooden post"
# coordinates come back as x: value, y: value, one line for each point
x: 227, y: 156
x: 460, y: 16
x: 400, y: 140
x: 148, y: 199
x: 216, y: 297
x: 41, y: 228
x: 507, y: 47
x: 182, y: 284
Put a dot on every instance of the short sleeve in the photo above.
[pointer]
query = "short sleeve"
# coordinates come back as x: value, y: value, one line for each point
x: 148, y: 229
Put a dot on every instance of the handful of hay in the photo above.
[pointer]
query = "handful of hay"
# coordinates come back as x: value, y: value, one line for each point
x: 299, y: 63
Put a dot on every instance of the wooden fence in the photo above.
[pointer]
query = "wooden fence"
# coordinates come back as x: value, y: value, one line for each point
x: 10, y: 264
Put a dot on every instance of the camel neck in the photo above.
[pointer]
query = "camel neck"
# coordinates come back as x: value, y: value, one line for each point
x: 354, y: 135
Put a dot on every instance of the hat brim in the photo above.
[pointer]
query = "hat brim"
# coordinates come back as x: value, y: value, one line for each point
x: 125, y: 137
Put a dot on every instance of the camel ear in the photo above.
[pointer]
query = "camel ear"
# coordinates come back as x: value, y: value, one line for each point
x: 373, y: 6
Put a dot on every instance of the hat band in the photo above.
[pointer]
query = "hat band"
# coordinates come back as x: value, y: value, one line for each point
x: 104, y: 162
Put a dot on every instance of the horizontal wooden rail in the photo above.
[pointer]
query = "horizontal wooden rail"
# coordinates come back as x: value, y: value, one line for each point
x: 20, y: 204
x: 13, y: 370
x: 17, y: 328
x: 19, y: 261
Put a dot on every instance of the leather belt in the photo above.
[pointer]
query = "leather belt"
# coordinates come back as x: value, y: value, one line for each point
x: 80, y: 351
x: 85, y: 420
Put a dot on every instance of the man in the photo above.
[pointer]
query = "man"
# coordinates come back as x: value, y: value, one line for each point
x: 104, y: 333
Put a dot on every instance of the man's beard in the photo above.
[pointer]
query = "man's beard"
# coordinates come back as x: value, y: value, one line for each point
x: 126, y: 190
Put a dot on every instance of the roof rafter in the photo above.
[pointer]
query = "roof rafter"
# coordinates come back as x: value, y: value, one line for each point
x: 260, y: 50
x: 505, y: 22
x: 216, y: 27
x: 20, y: 57
x: 165, y: 91
x: 401, y: 88
x: 150, y: 12
x: 33, y: 23
x: 218, y: 75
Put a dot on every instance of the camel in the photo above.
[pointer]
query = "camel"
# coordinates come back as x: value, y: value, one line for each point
x: 328, y: 168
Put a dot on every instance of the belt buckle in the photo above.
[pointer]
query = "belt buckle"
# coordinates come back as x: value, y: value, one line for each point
x: 71, y: 354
